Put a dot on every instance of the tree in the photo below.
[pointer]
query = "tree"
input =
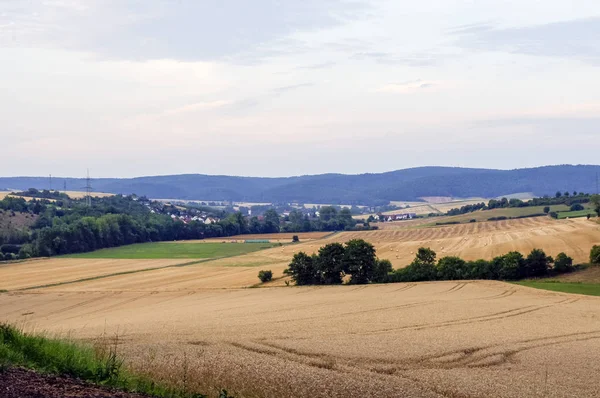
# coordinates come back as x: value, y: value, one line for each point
x: 327, y: 213
x: 510, y: 266
x: 595, y: 200
x: 595, y: 255
x: 553, y: 214
x: 330, y: 263
x: 295, y: 239
x: 271, y: 221
x: 547, y: 209
x: 359, y: 261
x: 265, y: 276
x: 563, y: 263
x: 567, y: 194
x: 382, y: 270
x: 423, y: 266
x: 302, y: 269
x: 452, y: 268
x: 558, y: 194
x: 576, y: 207
x: 537, y: 263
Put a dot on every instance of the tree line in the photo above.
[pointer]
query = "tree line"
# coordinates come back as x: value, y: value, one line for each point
x: 69, y: 226
x: 574, y: 200
x: 357, y: 259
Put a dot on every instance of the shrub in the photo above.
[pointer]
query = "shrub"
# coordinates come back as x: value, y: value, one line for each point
x: 383, y: 268
x: 452, y: 268
x: 265, y: 276
x: 421, y: 269
x: 473, y: 220
x: 10, y: 248
x: 537, y: 263
x: 501, y: 218
x: 547, y: 209
x: 595, y: 255
x: 577, y: 207
x: 295, y: 239
x: 563, y: 263
x: 554, y: 214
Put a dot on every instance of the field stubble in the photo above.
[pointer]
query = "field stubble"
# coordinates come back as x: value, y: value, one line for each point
x: 445, y: 339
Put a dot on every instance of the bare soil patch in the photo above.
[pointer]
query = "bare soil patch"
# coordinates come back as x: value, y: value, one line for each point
x: 21, y: 383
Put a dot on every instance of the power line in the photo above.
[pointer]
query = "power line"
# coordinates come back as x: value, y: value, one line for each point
x: 88, y: 189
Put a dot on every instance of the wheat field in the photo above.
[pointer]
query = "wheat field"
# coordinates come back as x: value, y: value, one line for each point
x: 199, y: 323
x: 443, y: 339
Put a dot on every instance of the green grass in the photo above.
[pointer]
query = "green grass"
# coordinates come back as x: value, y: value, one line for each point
x: 590, y: 289
x: 484, y: 215
x: 168, y: 250
x: 576, y: 214
x: 99, y: 365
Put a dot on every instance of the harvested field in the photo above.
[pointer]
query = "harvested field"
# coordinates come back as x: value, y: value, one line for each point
x: 444, y: 339
x: 280, y: 237
x: 23, y: 275
x: 469, y: 241
x: 178, y: 249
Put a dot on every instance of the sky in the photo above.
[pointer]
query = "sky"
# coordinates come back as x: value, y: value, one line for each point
x: 277, y: 88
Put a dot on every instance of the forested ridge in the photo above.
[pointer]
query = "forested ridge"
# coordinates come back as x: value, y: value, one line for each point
x: 367, y: 189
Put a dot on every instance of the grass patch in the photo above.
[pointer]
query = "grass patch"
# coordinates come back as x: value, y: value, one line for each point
x: 590, y: 289
x: 97, y: 364
x: 169, y: 250
x: 576, y: 214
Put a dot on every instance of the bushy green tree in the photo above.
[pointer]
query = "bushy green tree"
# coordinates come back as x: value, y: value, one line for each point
x: 510, y: 266
x: 563, y: 263
x: 359, y: 261
x: 595, y: 200
x: 383, y: 268
x: 595, y: 255
x: 265, y: 276
x: 330, y: 263
x: 422, y: 268
x: 302, y: 269
x: 547, y: 209
x: 576, y: 207
x: 452, y: 268
x: 537, y: 263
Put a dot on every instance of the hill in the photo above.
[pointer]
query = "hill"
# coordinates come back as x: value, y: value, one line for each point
x: 408, y: 184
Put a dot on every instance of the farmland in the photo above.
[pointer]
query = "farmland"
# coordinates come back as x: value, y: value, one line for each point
x: 470, y: 241
x: 468, y: 339
x: 197, y: 250
x: 178, y: 305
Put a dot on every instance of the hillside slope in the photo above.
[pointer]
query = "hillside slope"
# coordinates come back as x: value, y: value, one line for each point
x: 407, y: 184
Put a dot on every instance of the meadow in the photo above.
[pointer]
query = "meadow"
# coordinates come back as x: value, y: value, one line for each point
x: 174, y: 250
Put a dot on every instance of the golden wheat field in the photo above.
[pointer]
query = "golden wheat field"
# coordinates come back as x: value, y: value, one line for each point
x: 470, y: 241
x: 200, y: 322
x: 444, y: 339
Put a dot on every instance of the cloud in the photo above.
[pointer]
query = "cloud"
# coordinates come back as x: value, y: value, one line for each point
x: 284, y: 89
x: 408, y: 86
x: 415, y: 59
x: 157, y: 29
x: 198, y: 106
x: 576, y: 39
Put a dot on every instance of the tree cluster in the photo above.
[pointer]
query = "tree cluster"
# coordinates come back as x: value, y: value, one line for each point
x: 358, y: 260
x: 334, y: 261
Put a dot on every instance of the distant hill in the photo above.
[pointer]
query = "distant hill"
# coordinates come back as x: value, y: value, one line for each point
x: 408, y: 185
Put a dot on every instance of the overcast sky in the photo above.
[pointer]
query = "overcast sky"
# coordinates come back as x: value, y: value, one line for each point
x: 277, y: 87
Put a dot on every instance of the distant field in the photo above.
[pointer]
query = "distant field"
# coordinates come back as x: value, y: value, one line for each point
x: 280, y: 237
x: 590, y: 289
x: 174, y: 250
x: 484, y: 215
